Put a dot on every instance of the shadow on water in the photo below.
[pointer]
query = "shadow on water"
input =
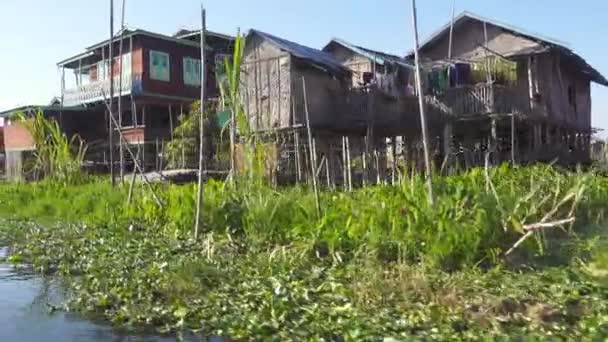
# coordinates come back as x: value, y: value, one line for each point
x: 26, y: 302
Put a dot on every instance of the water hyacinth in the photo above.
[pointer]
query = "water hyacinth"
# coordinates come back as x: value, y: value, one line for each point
x: 379, y: 263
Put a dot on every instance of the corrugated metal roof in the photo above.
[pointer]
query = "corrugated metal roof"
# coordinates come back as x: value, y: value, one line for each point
x: 314, y: 56
x: 378, y: 57
x: 553, y: 43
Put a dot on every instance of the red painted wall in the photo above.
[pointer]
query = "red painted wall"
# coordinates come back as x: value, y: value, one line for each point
x: 142, y: 45
x: 17, y: 137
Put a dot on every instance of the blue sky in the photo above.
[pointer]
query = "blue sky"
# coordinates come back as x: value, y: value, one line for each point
x: 36, y: 34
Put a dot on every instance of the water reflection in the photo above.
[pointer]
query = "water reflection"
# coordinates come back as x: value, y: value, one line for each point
x: 25, y: 315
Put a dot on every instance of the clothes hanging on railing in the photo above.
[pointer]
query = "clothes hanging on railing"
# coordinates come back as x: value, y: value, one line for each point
x: 499, y: 70
x: 460, y: 74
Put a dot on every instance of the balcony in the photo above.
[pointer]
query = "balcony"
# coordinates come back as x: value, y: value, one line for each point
x: 95, y: 91
x: 481, y: 99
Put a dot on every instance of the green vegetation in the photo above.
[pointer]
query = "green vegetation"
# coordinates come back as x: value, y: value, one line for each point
x: 379, y: 263
x: 56, y: 157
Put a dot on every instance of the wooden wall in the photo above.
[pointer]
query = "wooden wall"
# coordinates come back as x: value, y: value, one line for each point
x: 468, y: 39
x: 552, y: 76
x: 266, y: 77
x: 322, y: 92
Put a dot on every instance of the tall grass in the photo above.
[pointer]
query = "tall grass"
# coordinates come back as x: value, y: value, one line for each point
x: 467, y: 225
x: 56, y: 157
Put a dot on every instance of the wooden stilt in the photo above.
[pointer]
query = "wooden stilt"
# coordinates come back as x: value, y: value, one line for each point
x: 344, y: 164
x: 447, y: 141
x: 513, y: 140
x: 364, y: 162
x: 171, y: 121
x: 156, y: 163
x: 348, y: 165
x: 377, y: 162
x: 327, y: 173
x: 313, y: 158
x: 181, y: 117
x: 394, y: 160
x: 296, y: 136
x: 130, y: 196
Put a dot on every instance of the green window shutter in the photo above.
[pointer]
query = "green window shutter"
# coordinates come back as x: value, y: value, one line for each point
x: 192, y: 72
x: 160, y: 66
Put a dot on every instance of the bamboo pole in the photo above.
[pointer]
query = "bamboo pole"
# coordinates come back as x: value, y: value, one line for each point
x: 130, y: 196
x: 311, y: 149
x: 344, y: 171
x: 451, y: 30
x: 513, y: 143
x: 181, y: 117
x: 350, y: 169
x: 199, y: 195
x: 327, y: 172
x: 425, y: 143
x: 137, y: 165
x: 120, y: 66
x: 233, y: 130
x: 394, y: 160
x: 111, y: 109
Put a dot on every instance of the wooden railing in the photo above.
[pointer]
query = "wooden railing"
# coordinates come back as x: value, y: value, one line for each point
x: 480, y: 99
x: 95, y: 91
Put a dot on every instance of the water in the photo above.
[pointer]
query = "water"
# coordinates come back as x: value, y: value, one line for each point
x: 25, y: 314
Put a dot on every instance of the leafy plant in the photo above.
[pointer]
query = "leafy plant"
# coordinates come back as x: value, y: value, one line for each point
x: 56, y: 157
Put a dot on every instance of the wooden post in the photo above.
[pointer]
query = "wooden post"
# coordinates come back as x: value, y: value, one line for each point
x: 513, y: 139
x: 162, y: 155
x: 344, y: 167
x: 364, y: 162
x: 312, y: 151
x: 129, y: 197
x: 451, y: 30
x: 530, y: 83
x: 62, y: 95
x: 427, y: 158
x: 120, y: 90
x: 296, y: 134
x: 327, y: 158
x: 156, y: 158
x: 110, y: 73
x: 494, y: 141
x: 181, y: 117
x: 171, y: 121
x: 394, y: 160
x: 350, y: 169
x: 447, y: 140
x: 377, y: 162
x: 233, y: 130
x: 199, y: 189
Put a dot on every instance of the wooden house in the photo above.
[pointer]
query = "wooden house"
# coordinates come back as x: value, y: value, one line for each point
x: 157, y: 77
x: 525, y: 97
x: 273, y: 73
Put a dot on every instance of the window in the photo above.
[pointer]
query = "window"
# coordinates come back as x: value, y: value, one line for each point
x: 126, y: 65
x: 159, y: 66
x: 103, y: 69
x: 192, y: 71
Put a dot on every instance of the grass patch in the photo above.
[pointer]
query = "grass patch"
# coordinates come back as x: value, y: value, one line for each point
x: 379, y: 263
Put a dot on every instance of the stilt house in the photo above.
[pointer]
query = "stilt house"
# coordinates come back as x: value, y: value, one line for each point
x: 519, y: 95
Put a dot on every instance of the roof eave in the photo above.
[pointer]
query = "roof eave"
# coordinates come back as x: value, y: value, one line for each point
x: 68, y: 61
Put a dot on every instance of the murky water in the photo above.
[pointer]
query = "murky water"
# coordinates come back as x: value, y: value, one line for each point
x: 25, y: 313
